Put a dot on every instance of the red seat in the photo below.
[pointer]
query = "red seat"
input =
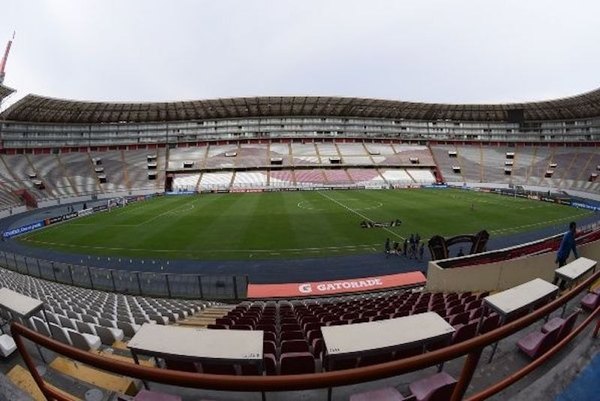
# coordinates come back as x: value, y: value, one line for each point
x: 459, y: 318
x: 270, y: 364
x: 318, y: 347
x: 490, y: 323
x: 536, y: 343
x: 269, y: 347
x: 294, y: 346
x: 438, y: 387
x: 269, y: 336
x: 563, y: 325
x: 590, y: 301
x: 291, y: 335
x: 291, y: 327
x: 455, y: 309
x: 464, y: 332
x: 295, y: 363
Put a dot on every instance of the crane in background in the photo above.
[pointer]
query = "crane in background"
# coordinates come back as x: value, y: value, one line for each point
x: 5, y: 58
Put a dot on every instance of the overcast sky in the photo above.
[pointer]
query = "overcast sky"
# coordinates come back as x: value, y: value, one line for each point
x: 417, y: 50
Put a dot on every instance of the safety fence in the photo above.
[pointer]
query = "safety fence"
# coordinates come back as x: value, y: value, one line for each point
x: 172, y: 285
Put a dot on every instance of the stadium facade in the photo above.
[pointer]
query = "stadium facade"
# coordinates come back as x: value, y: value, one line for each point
x: 40, y: 122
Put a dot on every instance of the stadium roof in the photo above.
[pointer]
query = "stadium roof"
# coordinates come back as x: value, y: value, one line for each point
x: 33, y: 108
x: 5, y: 91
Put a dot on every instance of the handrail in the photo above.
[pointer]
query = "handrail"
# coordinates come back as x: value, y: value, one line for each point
x: 518, y: 375
x: 472, y: 347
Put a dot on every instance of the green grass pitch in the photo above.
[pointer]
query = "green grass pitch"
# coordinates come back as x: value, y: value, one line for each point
x: 292, y: 224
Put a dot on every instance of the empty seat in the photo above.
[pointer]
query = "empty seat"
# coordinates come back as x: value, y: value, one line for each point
x: 84, y: 341
x: 459, y: 318
x: 40, y: 326
x: 536, y: 343
x: 270, y: 364
x: 109, y: 335
x: 105, y: 322
x: 7, y: 345
x: 464, y: 332
x: 591, y: 301
x: 297, y: 363
x: 563, y: 325
x: 490, y: 323
x: 438, y: 387
x: 67, y: 323
x: 89, y: 319
x: 84, y: 327
x: 294, y: 346
x: 59, y: 334
x: 129, y: 329
x: 292, y: 335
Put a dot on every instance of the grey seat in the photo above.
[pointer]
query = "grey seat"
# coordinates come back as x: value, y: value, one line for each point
x: 128, y: 328
x: 89, y: 319
x: 66, y: 323
x: 108, y: 336
x: 59, y: 334
x: 52, y: 318
x: 40, y: 326
x: 84, y: 327
x: 85, y: 342
x: 105, y: 322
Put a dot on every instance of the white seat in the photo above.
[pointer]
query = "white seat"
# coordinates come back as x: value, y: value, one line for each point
x: 83, y: 340
x: 7, y: 345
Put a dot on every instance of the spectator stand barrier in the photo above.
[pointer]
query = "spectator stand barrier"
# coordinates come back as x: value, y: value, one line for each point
x: 171, y: 285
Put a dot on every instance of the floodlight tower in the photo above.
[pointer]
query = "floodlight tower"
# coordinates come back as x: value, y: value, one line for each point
x: 5, y: 58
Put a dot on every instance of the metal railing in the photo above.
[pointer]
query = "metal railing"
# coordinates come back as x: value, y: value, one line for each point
x: 472, y: 348
x: 172, y: 285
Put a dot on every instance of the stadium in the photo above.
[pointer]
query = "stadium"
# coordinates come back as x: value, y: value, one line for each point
x: 298, y: 248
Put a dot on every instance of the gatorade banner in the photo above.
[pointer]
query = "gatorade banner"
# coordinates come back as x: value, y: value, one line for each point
x: 320, y: 288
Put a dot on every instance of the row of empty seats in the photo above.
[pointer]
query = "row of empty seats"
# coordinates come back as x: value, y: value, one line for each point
x: 302, y: 178
x: 87, y: 318
x: 297, y: 154
x: 574, y: 168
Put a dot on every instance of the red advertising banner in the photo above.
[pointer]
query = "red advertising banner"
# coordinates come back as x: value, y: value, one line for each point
x: 312, y: 289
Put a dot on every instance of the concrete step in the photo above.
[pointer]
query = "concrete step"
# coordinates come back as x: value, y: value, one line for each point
x: 98, y: 378
x: 21, y: 377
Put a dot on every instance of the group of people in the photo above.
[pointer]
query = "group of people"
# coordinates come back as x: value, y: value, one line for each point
x: 412, y: 247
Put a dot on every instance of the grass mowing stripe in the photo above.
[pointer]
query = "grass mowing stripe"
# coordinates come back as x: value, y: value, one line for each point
x: 290, y: 224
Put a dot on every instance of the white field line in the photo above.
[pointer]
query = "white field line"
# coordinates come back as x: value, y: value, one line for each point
x: 542, y: 223
x: 190, y: 205
x: 358, y: 214
x: 348, y: 247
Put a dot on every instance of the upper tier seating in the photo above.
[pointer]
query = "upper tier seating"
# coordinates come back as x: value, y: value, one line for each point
x: 570, y: 167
